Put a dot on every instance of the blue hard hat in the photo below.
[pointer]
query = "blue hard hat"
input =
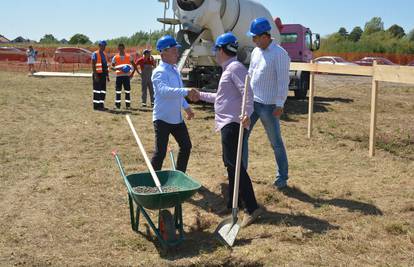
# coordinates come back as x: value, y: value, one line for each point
x: 126, y: 68
x: 227, y: 40
x: 259, y: 26
x: 102, y: 43
x: 167, y: 41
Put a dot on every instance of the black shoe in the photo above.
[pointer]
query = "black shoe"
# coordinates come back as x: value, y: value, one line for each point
x: 224, y: 211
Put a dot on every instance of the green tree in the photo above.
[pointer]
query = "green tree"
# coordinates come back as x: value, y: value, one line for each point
x: 374, y: 25
x: 140, y: 38
x: 355, y: 34
x: 79, y: 39
x: 48, y: 39
x: 410, y: 36
x: 343, y: 32
x: 396, y: 31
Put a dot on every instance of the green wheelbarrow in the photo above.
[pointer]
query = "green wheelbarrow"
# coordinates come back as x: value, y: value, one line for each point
x: 168, y: 224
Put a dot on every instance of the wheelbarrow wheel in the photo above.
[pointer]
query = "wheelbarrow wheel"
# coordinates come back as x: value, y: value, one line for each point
x: 167, y: 226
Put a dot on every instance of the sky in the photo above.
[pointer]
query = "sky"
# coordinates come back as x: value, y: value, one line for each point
x: 105, y: 19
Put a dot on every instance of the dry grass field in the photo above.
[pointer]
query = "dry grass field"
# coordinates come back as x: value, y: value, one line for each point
x: 63, y: 201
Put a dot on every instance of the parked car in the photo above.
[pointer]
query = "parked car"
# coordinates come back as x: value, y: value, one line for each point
x: 72, y: 55
x: 12, y: 54
x: 369, y: 61
x: 411, y: 63
x: 333, y: 60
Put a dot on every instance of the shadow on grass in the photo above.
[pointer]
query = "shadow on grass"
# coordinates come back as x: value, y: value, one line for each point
x: 209, y: 199
x: 295, y: 106
x: 313, y: 224
x: 201, y: 242
x: 351, y: 205
x: 189, y: 247
x: 333, y: 99
x: 194, y: 244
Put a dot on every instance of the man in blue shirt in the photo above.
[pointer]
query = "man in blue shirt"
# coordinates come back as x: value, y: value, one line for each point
x: 169, y: 93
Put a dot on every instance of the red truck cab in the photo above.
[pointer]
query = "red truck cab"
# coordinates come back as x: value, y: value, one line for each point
x: 297, y: 41
x: 300, y: 43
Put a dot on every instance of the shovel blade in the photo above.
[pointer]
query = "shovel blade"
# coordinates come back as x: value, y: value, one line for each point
x: 227, y: 231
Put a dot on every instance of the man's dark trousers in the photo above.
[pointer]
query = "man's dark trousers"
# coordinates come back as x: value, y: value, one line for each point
x: 125, y: 82
x: 162, y: 133
x: 99, y: 90
x: 229, y: 139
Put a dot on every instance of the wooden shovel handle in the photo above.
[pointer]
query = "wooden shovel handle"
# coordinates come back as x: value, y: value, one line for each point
x: 240, y: 146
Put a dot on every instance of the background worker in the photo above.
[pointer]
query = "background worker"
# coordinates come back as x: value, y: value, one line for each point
x: 99, y: 76
x: 146, y: 64
x: 169, y: 93
x: 121, y: 63
x: 227, y: 106
x: 31, y: 59
x: 269, y: 72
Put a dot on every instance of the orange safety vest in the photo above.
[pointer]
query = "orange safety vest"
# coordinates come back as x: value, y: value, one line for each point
x: 99, y: 62
x: 119, y: 62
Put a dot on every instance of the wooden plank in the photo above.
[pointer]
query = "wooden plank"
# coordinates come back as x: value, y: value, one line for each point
x: 397, y: 74
x: 310, y: 108
x: 61, y: 74
x: 334, y: 69
x: 373, y: 124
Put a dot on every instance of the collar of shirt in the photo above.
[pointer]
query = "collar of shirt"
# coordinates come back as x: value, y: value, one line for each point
x: 171, y: 67
x: 270, y: 47
x: 228, y: 62
x: 166, y: 65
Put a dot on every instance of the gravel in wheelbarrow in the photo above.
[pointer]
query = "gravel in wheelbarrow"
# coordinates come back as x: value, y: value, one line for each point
x: 152, y: 190
x: 177, y: 187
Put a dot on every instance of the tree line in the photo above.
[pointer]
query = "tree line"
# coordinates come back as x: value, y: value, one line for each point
x: 140, y: 38
x: 372, y: 39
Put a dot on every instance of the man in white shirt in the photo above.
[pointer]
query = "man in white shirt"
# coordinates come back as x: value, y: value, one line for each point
x: 269, y: 72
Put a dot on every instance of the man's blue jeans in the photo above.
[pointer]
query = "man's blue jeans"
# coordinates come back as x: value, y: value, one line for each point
x: 272, y: 128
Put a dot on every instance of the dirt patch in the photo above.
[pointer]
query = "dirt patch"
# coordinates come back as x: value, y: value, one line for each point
x: 63, y: 201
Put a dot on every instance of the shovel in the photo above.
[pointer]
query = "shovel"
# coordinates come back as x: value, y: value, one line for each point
x: 228, y: 228
x: 144, y: 154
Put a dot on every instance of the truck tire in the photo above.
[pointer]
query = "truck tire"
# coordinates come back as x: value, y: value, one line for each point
x: 303, y: 87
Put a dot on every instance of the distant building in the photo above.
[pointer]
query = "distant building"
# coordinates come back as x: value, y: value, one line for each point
x: 4, y: 39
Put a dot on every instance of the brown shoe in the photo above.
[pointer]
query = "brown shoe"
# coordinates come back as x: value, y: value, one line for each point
x: 250, y: 218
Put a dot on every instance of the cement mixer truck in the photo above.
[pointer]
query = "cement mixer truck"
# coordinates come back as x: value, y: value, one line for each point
x: 202, y: 21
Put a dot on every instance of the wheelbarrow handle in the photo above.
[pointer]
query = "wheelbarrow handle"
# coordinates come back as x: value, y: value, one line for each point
x: 121, y: 169
x: 172, y: 158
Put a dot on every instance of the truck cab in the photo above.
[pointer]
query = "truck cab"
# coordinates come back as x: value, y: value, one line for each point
x: 300, y: 43
x: 297, y: 41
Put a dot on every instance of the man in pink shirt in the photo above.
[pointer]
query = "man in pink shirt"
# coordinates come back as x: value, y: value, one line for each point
x: 227, y: 106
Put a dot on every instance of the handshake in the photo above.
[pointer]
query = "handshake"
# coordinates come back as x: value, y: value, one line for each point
x: 193, y: 94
